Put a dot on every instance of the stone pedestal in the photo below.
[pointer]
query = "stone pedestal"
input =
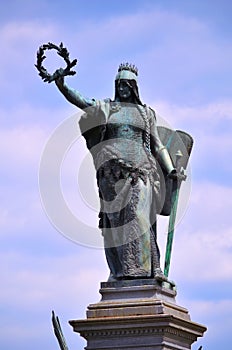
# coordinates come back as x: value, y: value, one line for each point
x: 137, y: 314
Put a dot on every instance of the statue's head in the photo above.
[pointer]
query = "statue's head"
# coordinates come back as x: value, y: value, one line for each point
x: 126, y: 83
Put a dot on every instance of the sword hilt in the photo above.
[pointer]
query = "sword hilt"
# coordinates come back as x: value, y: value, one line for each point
x: 179, y: 155
x: 180, y: 170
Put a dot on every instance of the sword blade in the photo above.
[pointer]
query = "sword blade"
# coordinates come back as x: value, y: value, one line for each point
x: 171, y: 226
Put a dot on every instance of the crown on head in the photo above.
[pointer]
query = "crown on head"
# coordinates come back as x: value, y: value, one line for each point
x: 127, y: 66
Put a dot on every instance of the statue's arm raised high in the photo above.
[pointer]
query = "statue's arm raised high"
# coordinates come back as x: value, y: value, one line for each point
x: 73, y: 96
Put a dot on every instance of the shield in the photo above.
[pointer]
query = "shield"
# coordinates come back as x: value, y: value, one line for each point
x: 175, y: 141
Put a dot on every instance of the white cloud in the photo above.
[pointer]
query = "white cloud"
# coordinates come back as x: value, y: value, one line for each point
x: 209, y: 115
x: 23, y: 138
x: 205, y: 312
x: 22, y: 145
x: 211, y: 127
x: 20, y: 41
x: 16, y: 38
x: 203, y: 243
x: 46, y: 281
x: 171, y: 44
x: 151, y: 23
x: 203, y: 256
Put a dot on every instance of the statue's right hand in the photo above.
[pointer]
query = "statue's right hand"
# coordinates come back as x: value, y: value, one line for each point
x: 59, y: 76
x: 177, y: 175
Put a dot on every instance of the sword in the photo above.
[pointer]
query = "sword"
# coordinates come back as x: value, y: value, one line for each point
x: 172, y: 218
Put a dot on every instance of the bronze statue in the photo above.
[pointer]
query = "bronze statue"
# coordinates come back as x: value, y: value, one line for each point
x: 132, y: 167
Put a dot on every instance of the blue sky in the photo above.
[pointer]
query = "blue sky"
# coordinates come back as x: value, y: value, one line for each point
x: 183, y: 51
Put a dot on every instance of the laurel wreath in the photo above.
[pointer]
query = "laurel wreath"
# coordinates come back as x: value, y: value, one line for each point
x: 61, y: 51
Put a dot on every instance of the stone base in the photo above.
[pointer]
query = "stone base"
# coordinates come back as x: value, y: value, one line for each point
x: 137, y: 314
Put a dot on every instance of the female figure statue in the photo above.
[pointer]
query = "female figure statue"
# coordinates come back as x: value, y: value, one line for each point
x: 122, y: 137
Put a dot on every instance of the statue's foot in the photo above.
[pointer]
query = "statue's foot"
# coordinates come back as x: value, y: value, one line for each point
x: 112, y: 278
x: 159, y: 276
x: 172, y: 283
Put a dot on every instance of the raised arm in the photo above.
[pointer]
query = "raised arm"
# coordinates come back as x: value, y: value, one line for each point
x: 73, y: 96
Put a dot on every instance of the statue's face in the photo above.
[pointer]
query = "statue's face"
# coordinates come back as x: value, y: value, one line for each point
x: 124, y: 90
